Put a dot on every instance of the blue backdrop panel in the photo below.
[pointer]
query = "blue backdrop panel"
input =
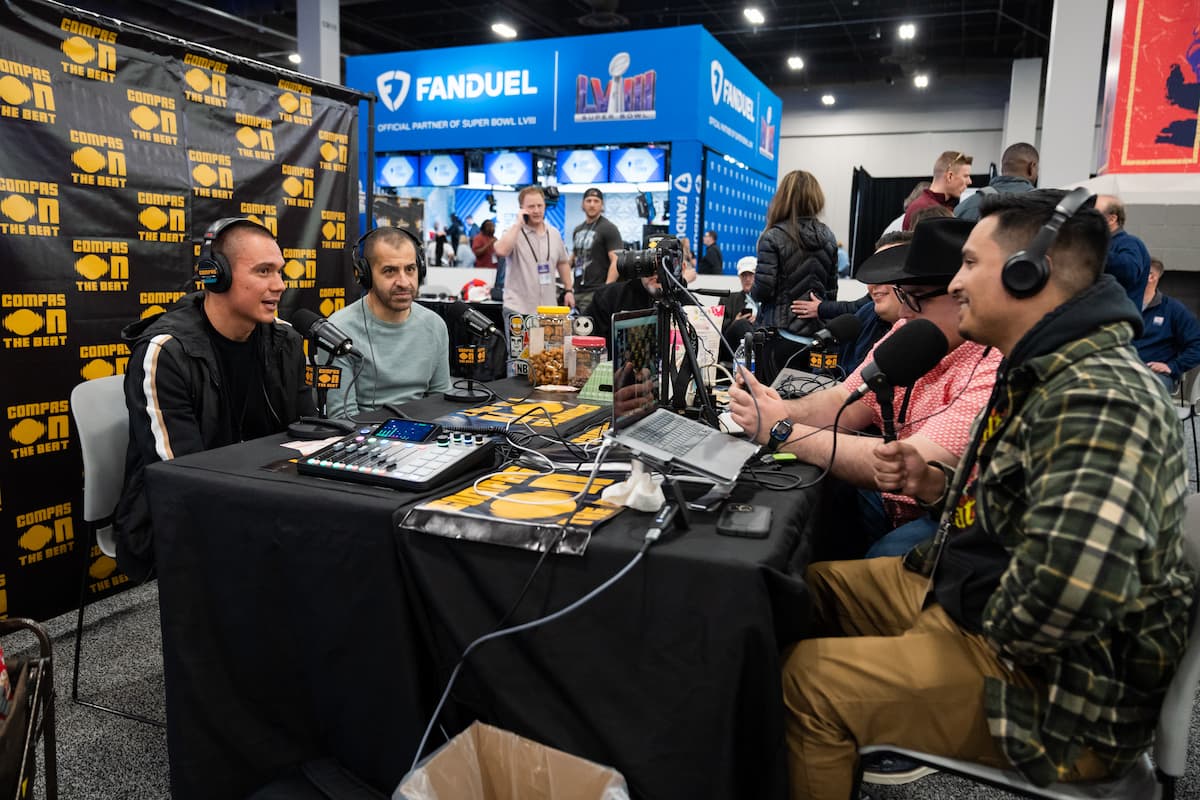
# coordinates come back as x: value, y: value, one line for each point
x: 735, y: 206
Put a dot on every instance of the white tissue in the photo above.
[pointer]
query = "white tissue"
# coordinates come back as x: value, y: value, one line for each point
x: 640, y: 491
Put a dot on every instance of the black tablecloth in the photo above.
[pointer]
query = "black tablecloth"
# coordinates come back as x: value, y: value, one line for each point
x: 298, y: 622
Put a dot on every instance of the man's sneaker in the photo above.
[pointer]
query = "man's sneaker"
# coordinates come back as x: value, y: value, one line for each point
x: 889, y: 769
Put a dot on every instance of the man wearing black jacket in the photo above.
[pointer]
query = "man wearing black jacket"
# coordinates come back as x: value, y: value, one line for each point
x: 217, y: 368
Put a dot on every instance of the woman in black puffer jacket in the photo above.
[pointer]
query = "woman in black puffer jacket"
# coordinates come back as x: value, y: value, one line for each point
x: 797, y: 254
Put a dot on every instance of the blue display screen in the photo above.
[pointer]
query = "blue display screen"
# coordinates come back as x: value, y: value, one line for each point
x: 442, y: 170
x: 406, y: 430
x: 638, y: 165
x: 394, y: 172
x: 582, y: 166
x: 512, y: 169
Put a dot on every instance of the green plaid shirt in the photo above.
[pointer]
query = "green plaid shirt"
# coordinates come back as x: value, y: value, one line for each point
x: 1084, y: 488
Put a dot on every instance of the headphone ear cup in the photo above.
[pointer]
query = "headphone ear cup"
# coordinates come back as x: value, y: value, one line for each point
x: 213, y: 271
x: 362, y: 273
x: 1023, y: 276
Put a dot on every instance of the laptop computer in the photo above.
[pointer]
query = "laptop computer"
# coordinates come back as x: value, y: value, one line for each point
x: 654, y: 433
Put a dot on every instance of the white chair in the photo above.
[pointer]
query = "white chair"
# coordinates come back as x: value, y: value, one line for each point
x: 1170, y: 738
x: 1189, y: 390
x: 102, y: 425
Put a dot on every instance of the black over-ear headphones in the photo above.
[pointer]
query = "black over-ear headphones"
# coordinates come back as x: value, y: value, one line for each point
x: 1026, y: 271
x: 362, y: 267
x: 213, y: 270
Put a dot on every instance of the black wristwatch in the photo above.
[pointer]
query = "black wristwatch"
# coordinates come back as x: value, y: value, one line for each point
x: 780, y: 432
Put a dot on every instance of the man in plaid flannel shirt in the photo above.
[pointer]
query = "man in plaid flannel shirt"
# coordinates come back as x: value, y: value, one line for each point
x: 1042, y: 625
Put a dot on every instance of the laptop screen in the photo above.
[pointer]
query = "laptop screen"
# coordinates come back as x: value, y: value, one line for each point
x: 636, y: 365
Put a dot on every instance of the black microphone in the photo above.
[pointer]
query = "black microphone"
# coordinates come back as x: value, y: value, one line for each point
x: 840, y: 329
x: 899, y: 361
x: 324, y: 332
x: 476, y: 321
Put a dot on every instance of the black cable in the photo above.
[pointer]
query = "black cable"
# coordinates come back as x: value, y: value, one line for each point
x: 576, y: 605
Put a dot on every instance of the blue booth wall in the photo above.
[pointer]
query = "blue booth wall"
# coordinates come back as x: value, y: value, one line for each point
x: 676, y: 86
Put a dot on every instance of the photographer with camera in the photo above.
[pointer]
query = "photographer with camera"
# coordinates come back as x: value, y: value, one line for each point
x: 640, y: 285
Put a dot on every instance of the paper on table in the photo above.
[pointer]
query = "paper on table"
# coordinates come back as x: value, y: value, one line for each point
x: 307, y: 447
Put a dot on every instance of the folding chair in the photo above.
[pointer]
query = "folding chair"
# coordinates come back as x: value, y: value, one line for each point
x: 1170, y: 737
x: 1189, y: 390
x: 102, y: 424
x: 31, y: 715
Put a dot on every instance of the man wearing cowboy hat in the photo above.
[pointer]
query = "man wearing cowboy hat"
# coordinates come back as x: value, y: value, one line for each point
x: 934, y: 415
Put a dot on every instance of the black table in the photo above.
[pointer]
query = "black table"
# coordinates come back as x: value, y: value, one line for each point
x: 297, y: 622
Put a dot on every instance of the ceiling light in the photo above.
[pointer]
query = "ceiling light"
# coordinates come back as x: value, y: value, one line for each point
x: 755, y: 16
x: 294, y: 58
x: 908, y: 30
x: 828, y: 99
x: 505, y: 30
x: 796, y: 62
x: 920, y: 80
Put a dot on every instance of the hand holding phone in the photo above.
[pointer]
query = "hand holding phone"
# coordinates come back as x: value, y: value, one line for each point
x: 525, y: 217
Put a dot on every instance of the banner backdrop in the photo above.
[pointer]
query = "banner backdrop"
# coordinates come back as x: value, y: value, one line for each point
x: 117, y: 149
x: 1152, y: 88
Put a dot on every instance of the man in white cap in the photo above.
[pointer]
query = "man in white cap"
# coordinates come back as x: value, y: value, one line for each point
x: 741, y: 311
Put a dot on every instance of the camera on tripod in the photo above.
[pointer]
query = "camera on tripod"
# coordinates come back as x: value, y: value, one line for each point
x: 662, y: 253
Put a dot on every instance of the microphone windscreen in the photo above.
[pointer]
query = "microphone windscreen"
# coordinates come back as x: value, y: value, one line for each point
x: 911, y: 352
x: 303, y: 320
x: 844, y: 328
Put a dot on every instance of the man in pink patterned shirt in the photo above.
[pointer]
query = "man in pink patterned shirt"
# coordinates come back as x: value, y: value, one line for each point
x: 935, y: 415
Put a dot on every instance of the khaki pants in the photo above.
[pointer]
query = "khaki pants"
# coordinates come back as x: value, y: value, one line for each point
x: 892, y: 672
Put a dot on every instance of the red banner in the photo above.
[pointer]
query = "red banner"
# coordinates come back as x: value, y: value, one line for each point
x: 1152, y: 88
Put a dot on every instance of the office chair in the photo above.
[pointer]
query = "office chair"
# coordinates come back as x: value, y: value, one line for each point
x: 1189, y: 391
x: 102, y: 424
x: 1170, y: 737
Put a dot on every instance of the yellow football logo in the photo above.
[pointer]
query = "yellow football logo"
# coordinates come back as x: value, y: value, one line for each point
x: 294, y: 269
x: 102, y: 567
x: 197, y: 79
x: 88, y: 159
x: 13, y: 91
x: 23, y: 322
x: 97, y: 368
x: 204, y: 175
x: 91, y: 267
x: 27, y: 431
x: 288, y: 102
x: 152, y: 218
x: 78, y: 49
x: 247, y: 136
x: 35, y: 538
x: 329, y: 151
x: 293, y: 186
x: 144, y: 117
x: 17, y: 207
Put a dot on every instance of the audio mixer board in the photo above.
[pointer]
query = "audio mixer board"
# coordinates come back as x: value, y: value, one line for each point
x: 400, y: 454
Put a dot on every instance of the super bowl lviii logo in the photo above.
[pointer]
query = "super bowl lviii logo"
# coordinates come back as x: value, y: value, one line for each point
x: 212, y: 174
x: 334, y: 150
x: 35, y: 429
x: 98, y: 160
x: 619, y: 97
x: 28, y: 208
x: 254, y: 137
x: 102, y: 264
x: 33, y: 320
x: 44, y: 534
x: 89, y: 50
x: 204, y: 81
x: 299, y: 268
x: 295, y: 103
x: 26, y: 93
x: 298, y: 188
x: 333, y: 229
x: 162, y: 217
x: 154, y: 117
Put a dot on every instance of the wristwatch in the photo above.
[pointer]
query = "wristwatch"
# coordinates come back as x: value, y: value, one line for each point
x: 780, y: 432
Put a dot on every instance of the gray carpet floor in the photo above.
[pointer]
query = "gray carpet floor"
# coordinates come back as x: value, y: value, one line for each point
x: 101, y: 756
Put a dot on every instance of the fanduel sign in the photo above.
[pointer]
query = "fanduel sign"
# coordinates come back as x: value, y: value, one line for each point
x: 723, y: 91
x: 393, y: 86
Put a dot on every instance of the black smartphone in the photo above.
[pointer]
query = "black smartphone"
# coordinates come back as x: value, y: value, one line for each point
x: 745, y: 520
x: 525, y: 217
